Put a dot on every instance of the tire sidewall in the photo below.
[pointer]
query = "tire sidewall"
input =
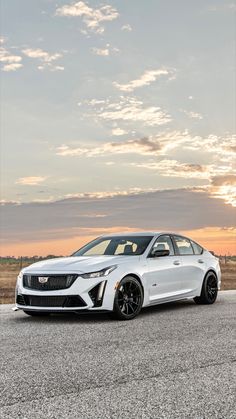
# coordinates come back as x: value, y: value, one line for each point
x: 204, y: 288
x: 116, y: 309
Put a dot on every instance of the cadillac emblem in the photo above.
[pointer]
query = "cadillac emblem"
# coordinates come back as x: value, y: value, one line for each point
x: 43, y: 279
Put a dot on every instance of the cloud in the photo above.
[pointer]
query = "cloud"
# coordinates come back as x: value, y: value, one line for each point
x: 224, y: 180
x: 129, y: 109
x: 145, y: 80
x: 126, y: 28
x: 101, y: 51
x: 118, y: 131
x: 193, y: 115
x: 179, y: 209
x: 12, y: 67
x: 142, y: 146
x: 10, y: 62
x: 224, y: 187
x: 12, y: 202
x: 220, y: 149
x: 41, y: 55
x: 31, y: 180
x: 5, y: 58
x: 93, y: 18
x: 219, y: 171
x: 44, y: 57
x: 173, y: 168
x: 104, y: 51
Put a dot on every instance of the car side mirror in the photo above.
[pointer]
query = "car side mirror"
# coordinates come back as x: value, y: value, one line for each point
x: 158, y: 253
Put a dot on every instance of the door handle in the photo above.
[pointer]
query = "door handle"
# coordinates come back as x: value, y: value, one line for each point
x: 200, y: 261
x: 176, y: 262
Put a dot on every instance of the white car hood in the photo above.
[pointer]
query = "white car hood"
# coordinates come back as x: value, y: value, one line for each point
x: 78, y: 264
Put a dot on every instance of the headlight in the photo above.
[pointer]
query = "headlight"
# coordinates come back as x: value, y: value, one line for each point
x: 98, y: 274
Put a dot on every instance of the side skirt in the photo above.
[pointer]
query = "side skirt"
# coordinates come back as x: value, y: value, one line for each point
x: 169, y: 300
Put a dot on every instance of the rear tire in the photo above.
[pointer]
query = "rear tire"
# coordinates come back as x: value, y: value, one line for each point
x: 209, y: 290
x: 128, y: 299
x: 36, y: 313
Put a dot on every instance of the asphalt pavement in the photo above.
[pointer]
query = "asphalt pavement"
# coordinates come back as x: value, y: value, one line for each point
x: 173, y: 361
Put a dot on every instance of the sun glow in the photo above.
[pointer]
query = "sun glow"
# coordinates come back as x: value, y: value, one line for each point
x: 228, y: 193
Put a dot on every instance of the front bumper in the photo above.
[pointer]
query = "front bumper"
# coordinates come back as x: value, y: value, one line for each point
x: 83, y: 295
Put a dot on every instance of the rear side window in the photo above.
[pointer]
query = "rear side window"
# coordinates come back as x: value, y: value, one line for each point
x: 197, y: 248
x: 184, y: 246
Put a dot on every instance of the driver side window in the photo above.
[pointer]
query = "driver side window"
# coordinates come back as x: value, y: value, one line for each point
x: 164, y: 243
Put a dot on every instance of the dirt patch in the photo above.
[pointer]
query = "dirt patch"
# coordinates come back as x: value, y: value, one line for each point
x: 228, y: 276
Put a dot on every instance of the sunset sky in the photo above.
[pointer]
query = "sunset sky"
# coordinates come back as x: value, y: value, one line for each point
x: 116, y: 116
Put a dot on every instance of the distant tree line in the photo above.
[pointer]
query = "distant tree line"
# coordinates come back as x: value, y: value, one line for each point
x: 25, y: 259
x: 31, y: 259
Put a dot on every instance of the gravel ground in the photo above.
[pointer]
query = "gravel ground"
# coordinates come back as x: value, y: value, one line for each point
x: 173, y: 361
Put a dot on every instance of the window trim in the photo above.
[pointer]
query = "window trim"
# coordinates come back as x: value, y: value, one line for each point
x: 162, y: 235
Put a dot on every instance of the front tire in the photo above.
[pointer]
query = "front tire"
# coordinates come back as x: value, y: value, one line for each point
x: 36, y: 313
x: 128, y: 299
x: 209, y: 290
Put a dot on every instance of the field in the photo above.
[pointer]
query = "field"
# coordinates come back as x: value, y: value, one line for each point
x: 9, y: 272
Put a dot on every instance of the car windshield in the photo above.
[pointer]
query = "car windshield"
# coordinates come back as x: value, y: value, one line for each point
x: 114, y: 246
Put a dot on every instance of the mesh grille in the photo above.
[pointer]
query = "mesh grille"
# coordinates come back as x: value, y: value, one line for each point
x: 51, y: 300
x: 48, y: 282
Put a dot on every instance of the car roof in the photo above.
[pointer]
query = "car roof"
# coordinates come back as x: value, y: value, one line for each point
x: 137, y: 233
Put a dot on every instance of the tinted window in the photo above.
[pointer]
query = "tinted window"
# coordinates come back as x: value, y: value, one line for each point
x: 183, y: 245
x: 117, y: 245
x: 164, y: 243
x: 197, y: 248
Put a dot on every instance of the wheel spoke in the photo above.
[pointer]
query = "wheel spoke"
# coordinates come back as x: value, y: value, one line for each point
x: 211, y: 288
x: 123, y: 307
x: 130, y: 305
x: 129, y: 297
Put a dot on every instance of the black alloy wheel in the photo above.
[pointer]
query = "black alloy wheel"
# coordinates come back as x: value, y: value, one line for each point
x: 209, y: 290
x: 128, y: 298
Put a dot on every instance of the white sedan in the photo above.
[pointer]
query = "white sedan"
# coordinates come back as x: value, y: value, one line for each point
x: 120, y: 274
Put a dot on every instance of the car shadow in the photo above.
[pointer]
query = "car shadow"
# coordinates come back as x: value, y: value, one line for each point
x: 171, y: 306
x: 102, y: 317
x: 65, y: 318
